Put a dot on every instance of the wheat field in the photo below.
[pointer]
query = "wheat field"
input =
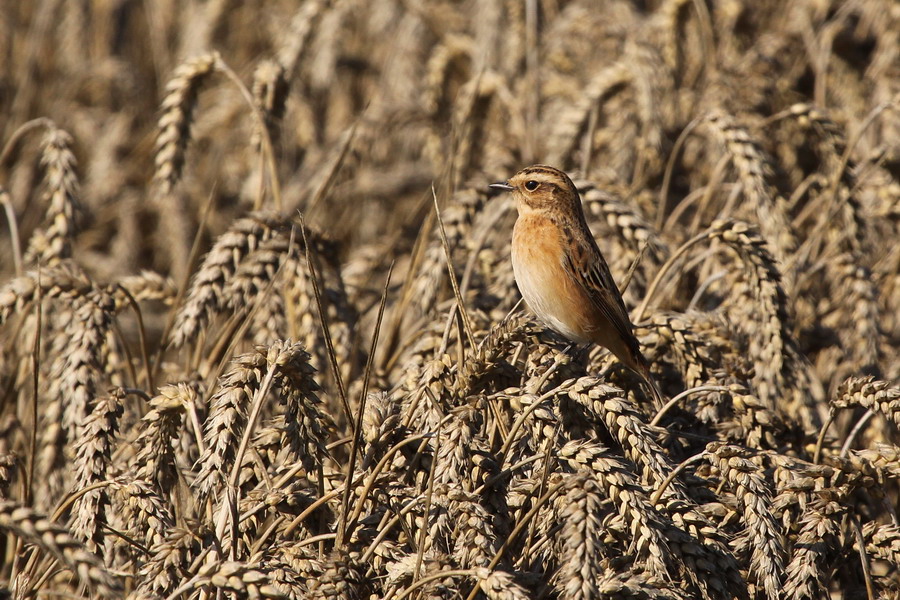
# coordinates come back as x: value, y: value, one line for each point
x: 260, y: 335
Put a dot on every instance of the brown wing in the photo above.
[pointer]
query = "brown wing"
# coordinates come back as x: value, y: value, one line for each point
x: 587, y: 266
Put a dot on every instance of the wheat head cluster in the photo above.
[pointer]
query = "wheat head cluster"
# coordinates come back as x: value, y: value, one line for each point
x: 260, y: 335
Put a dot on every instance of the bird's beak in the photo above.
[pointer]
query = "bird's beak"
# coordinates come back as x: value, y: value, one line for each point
x: 505, y: 187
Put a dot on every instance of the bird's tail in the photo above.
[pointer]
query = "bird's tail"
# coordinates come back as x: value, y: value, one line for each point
x: 643, y: 369
x: 658, y: 399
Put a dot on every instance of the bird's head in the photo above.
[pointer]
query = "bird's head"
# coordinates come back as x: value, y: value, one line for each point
x: 540, y: 188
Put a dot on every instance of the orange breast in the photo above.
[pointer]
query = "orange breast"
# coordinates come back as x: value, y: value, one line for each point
x: 538, y: 263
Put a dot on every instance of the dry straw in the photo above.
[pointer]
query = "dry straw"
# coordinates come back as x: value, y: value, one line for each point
x: 195, y: 405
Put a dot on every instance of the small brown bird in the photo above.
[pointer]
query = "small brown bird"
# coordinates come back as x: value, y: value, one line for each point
x: 560, y: 271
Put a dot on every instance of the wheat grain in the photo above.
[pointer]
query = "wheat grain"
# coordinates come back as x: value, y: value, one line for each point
x: 776, y: 359
x: 305, y: 425
x: 618, y: 484
x: 55, y: 242
x: 582, y: 536
x: 381, y: 426
x: 243, y: 580
x: 150, y: 286
x: 804, y: 578
x: 92, y: 463
x: 767, y: 562
x: 855, y: 297
x: 228, y: 413
x: 206, y: 296
x: 56, y: 540
x: 61, y: 281
x: 636, y: 585
x: 177, y: 114
x: 8, y: 471
x: 339, y: 578
x: 340, y: 314
x: 498, y: 585
x: 869, y: 393
x: 624, y: 422
x: 167, y: 562
x: 147, y: 519
x: 154, y: 460
x: 883, y: 541
x: 754, y: 168
x: 454, y: 453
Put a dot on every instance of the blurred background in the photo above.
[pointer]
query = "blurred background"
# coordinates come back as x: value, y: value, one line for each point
x: 430, y: 91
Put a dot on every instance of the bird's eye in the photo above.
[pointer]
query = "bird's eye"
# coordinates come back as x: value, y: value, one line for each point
x: 531, y: 185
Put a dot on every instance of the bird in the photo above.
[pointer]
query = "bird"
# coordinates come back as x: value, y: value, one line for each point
x: 561, y: 272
